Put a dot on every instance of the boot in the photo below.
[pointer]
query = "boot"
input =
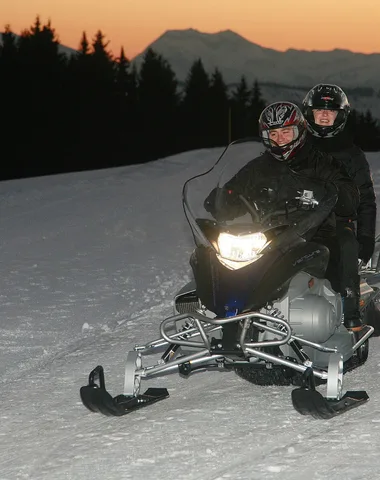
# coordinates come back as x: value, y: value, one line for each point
x: 352, y: 319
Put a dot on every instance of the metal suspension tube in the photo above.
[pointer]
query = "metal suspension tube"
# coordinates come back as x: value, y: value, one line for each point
x: 286, y: 363
x: 200, y: 357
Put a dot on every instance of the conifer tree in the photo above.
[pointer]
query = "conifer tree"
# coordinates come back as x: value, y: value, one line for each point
x: 158, y: 102
x: 40, y: 92
x: 195, y: 108
x: 255, y: 107
x: 126, y: 106
x: 9, y: 92
x: 240, y: 99
x: 219, y: 110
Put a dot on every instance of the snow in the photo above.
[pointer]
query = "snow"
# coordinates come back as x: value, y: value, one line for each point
x: 90, y: 264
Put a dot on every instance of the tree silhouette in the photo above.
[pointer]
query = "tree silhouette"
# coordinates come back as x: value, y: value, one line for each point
x: 9, y: 97
x: 196, y: 115
x: 126, y: 107
x: 84, y: 47
x: 158, y: 102
x: 365, y: 130
x: 40, y: 89
x: 91, y: 110
x: 255, y: 107
x: 39, y: 48
x: 93, y: 80
x: 219, y: 110
x: 122, y: 75
x: 9, y: 63
x: 240, y: 100
x: 8, y: 48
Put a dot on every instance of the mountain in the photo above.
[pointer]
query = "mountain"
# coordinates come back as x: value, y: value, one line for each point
x: 291, y: 73
x: 235, y: 55
x: 61, y: 48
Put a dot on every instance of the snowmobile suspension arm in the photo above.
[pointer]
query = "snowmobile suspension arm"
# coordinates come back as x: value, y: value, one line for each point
x: 203, y: 356
x: 286, y: 363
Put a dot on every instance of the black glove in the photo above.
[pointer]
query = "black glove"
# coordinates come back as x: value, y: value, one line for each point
x: 366, y: 247
x: 229, y: 204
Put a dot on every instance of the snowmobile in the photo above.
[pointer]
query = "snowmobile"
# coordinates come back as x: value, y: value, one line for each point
x: 259, y: 303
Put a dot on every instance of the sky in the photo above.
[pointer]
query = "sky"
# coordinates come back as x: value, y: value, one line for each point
x: 134, y: 24
x: 90, y: 263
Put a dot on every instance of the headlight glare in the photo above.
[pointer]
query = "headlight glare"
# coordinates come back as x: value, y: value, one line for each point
x: 241, y: 248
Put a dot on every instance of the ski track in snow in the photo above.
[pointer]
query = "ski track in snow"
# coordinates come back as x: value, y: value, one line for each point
x: 91, y: 262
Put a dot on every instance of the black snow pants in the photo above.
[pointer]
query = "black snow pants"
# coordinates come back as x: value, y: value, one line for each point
x: 342, y: 270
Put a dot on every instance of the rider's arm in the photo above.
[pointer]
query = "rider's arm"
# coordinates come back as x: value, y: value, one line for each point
x: 330, y: 169
x: 366, y: 217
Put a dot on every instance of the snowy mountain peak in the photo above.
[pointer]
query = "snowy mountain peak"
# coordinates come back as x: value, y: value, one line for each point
x: 223, y: 37
x: 234, y: 55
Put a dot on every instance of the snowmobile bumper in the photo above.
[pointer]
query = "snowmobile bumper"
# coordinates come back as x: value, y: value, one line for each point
x: 96, y: 398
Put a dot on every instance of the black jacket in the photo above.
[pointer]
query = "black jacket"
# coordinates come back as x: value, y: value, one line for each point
x: 342, y: 148
x: 307, y: 162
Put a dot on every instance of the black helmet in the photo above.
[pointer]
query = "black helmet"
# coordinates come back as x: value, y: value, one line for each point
x: 280, y: 115
x: 326, y: 97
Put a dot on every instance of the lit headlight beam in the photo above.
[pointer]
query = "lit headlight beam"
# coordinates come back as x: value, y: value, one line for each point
x: 241, y: 248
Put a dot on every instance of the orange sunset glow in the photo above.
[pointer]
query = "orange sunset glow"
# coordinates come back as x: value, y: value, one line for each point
x: 279, y: 24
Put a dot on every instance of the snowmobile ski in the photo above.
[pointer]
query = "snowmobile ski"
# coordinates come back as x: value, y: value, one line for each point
x: 96, y: 398
x: 308, y: 401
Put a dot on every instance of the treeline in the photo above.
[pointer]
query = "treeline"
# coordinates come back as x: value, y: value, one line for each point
x: 91, y: 110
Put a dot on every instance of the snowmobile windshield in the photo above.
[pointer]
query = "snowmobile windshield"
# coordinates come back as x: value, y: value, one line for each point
x: 253, y: 198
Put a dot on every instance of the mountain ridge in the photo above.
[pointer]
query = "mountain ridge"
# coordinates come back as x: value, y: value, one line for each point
x: 235, y: 55
x: 285, y: 75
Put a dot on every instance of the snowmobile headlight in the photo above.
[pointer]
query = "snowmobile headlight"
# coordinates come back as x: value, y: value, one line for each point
x: 236, y: 251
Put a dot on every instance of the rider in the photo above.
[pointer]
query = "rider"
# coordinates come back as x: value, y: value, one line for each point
x: 326, y: 110
x: 283, y: 131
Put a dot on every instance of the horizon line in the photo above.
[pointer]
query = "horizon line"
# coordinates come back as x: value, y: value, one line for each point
x: 208, y: 33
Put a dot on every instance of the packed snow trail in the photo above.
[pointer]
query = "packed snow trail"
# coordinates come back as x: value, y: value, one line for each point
x: 90, y: 264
